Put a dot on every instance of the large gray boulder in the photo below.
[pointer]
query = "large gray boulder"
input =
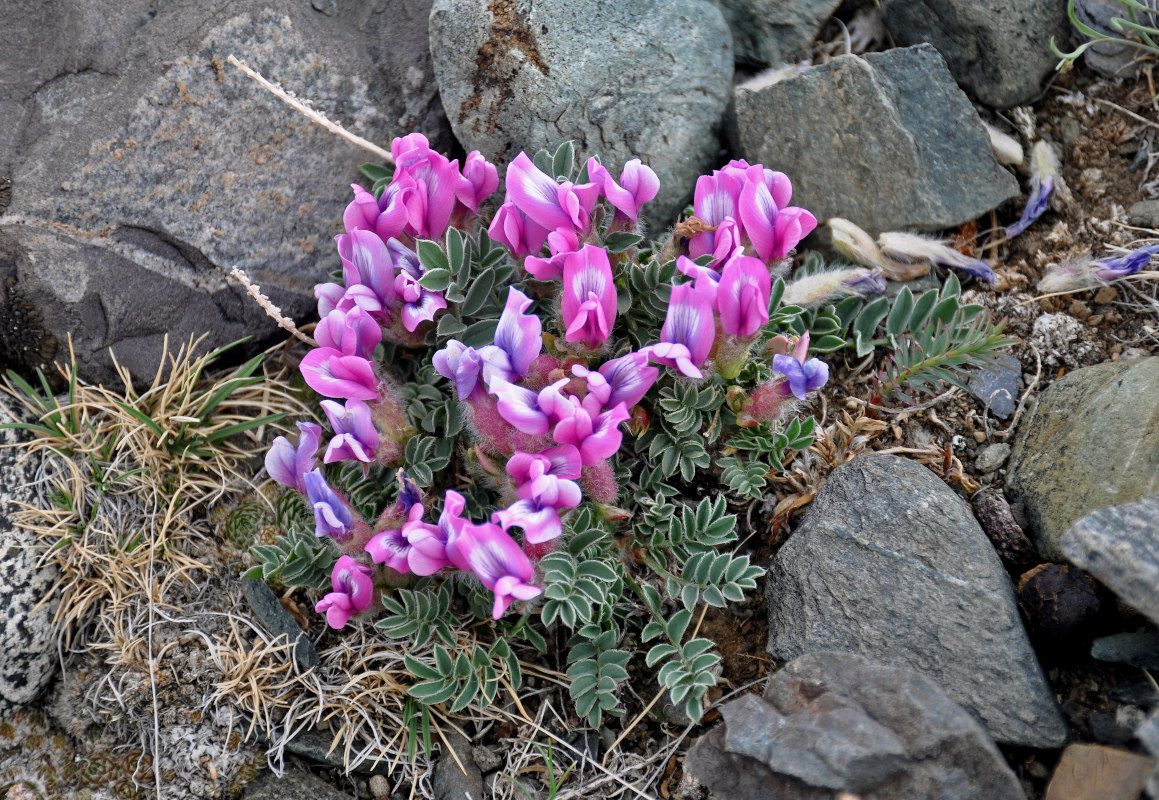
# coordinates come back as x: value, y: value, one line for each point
x: 769, y: 32
x: 647, y: 79
x: 1120, y: 546
x: 887, y: 141
x: 28, y: 655
x: 837, y: 722
x: 890, y: 563
x: 143, y: 166
x: 1092, y: 441
x: 998, y: 50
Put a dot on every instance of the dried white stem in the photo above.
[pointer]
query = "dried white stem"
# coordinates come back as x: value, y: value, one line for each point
x: 275, y: 313
x: 313, y: 114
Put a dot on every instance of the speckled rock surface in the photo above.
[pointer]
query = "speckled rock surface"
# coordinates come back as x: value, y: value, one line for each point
x: 295, y: 784
x: 133, y: 138
x: 771, y: 32
x: 1120, y: 546
x: 1063, y: 341
x: 647, y: 79
x: 887, y: 141
x: 1092, y: 441
x: 28, y: 658
x: 997, y: 49
x: 840, y: 722
x: 890, y: 563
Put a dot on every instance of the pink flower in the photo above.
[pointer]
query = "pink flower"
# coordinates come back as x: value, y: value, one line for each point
x: 392, y: 547
x: 774, y: 230
x: 553, y: 205
x: 418, y: 304
x: 385, y: 216
x: 480, y: 180
x: 638, y: 185
x: 331, y: 373
x: 335, y: 297
x: 743, y: 297
x: 353, y: 592
x: 516, y: 231
x: 518, y: 340
x: 545, y: 485
x: 561, y: 243
x: 622, y: 380
x: 589, y: 297
x: 367, y: 262
x: 497, y: 560
x: 353, y: 332
x: 715, y: 200
x: 527, y: 411
x: 355, y: 436
x: 595, y: 436
x: 287, y: 463
x: 688, y: 333
x: 433, y: 182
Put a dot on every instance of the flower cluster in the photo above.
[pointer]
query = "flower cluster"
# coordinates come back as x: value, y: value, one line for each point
x: 545, y: 410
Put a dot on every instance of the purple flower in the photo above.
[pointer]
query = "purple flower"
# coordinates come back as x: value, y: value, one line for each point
x: 353, y: 332
x: 418, y: 304
x: 1111, y: 269
x: 385, y: 216
x: 542, y: 491
x: 393, y: 547
x: 693, y: 270
x: 367, y: 262
x: 715, y: 200
x: 688, y: 333
x: 622, y: 380
x: 432, y: 182
x: 332, y: 517
x: 519, y: 233
x: 354, y: 433
x: 353, y: 592
x: 589, y: 297
x: 480, y: 180
x: 287, y: 463
x: 331, y: 373
x: 561, y: 243
x: 428, y: 543
x: 553, y: 205
x: 461, y: 364
x: 866, y: 282
x: 638, y: 185
x: 743, y: 297
x: 335, y: 297
x: 497, y: 560
x: 1044, y: 172
x: 597, y: 437
x: 528, y: 412
x: 803, y: 375
x: 773, y: 230
x: 518, y: 340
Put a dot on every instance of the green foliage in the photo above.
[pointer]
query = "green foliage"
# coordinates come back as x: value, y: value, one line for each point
x: 469, y: 675
x: 596, y: 671
x: 296, y: 558
x: 419, y: 616
x: 1134, y: 33
x: 688, y: 669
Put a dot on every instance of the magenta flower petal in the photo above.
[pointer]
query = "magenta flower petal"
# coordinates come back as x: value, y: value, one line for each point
x: 516, y: 231
x: 629, y: 377
x: 779, y: 187
x: 537, y: 194
x: 287, y: 463
x: 480, y: 180
x: 353, y: 586
x: 362, y: 213
x: 588, y: 305
x: 638, y: 185
x: 520, y: 407
x: 353, y: 332
x: 539, y: 524
x: 519, y: 335
x: 561, y: 243
x: 758, y: 214
x: 674, y: 355
x: 366, y: 261
x: 689, y: 322
x: 355, y: 435
x: 392, y: 549
x: 336, y: 607
x: 743, y: 297
x: 793, y: 224
x: 715, y: 200
x: 332, y: 374
x: 499, y: 563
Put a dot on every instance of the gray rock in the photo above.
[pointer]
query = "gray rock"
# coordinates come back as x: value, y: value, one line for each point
x: 1092, y: 441
x: 998, y: 386
x: 647, y: 79
x: 295, y: 784
x: 1120, y: 546
x: 1145, y: 214
x: 317, y: 745
x: 1137, y: 649
x: 887, y: 141
x: 28, y: 657
x: 992, y: 457
x: 890, y: 563
x: 840, y: 722
x: 769, y: 32
x: 998, y: 50
x: 451, y: 782
x: 1063, y: 341
x: 1148, y: 735
x: 278, y: 621
x: 1111, y: 59
x: 129, y: 140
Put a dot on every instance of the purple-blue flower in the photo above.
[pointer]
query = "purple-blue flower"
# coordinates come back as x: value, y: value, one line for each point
x: 1044, y: 173
x: 688, y: 333
x: 461, y: 364
x: 353, y: 592
x: 1111, y: 269
x: 518, y: 340
x: 622, y: 380
x: 332, y: 517
x: 287, y: 463
x: 355, y: 436
x: 804, y: 375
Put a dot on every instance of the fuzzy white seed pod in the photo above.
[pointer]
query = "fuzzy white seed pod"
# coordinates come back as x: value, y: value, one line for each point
x: 910, y: 247
x: 857, y: 245
x: 1006, y: 148
x: 813, y: 290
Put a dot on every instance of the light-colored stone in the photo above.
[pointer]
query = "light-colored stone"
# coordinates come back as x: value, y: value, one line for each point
x: 992, y: 457
x: 771, y: 32
x: 1094, y: 772
x: 647, y: 79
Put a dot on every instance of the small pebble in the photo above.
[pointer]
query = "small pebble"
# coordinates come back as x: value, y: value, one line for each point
x: 379, y: 787
x: 1059, y: 601
x: 979, y: 436
x: 1003, y: 530
x: 992, y: 457
x: 1106, y: 295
